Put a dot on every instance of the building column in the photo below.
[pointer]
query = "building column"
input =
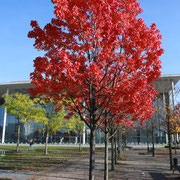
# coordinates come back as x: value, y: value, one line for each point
x: 173, y: 96
x: 173, y: 104
x: 84, y: 130
x: 4, y: 121
x: 167, y: 108
x: 164, y: 108
x: 76, y: 139
x: 84, y: 135
x: 166, y: 138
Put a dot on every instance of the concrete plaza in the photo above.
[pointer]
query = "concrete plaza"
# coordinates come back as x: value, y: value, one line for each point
x: 136, y: 164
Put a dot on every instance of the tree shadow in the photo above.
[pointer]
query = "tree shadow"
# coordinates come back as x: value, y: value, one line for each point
x: 157, y: 176
x: 143, y: 153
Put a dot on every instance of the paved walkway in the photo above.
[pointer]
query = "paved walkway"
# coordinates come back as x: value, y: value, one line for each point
x: 136, y: 165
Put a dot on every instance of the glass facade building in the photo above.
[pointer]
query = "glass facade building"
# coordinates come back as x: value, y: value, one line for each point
x: 35, y: 132
x: 26, y: 131
x: 137, y: 135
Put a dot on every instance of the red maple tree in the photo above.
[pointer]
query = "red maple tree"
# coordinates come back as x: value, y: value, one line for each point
x: 97, y: 52
x: 123, y: 112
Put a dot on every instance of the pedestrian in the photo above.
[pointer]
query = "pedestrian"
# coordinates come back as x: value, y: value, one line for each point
x: 31, y: 144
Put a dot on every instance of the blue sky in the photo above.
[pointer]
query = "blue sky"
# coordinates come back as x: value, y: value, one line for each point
x: 17, y: 51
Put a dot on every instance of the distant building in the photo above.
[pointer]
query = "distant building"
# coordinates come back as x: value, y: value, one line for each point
x: 165, y: 86
x: 8, y: 124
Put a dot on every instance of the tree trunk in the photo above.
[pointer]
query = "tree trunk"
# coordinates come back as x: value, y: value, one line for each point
x: 169, y: 142
x: 106, y: 169
x: 112, y: 152
x: 18, y: 135
x: 46, y: 143
x: 153, y: 150
x: 92, y: 155
x: 125, y: 142
x: 119, y: 144
x: 79, y: 142
x: 92, y: 93
x: 115, y: 148
x: 147, y: 136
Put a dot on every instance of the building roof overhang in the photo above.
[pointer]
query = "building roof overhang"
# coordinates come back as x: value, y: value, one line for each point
x: 162, y: 84
x: 15, y: 86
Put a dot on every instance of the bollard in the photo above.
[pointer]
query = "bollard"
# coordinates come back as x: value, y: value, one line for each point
x: 175, y: 161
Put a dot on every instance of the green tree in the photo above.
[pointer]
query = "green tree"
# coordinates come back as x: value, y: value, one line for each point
x: 20, y: 106
x: 46, y: 114
x: 76, y: 125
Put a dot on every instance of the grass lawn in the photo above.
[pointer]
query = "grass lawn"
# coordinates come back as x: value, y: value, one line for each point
x: 36, y: 160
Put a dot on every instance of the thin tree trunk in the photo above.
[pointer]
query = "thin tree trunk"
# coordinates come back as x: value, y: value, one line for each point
x: 147, y: 139
x: 92, y: 93
x: 115, y: 148
x: 169, y: 142
x: 18, y: 135
x: 112, y: 152
x: 153, y: 150
x: 147, y: 143
x: 106, y: 169
x: 92, y: 155
x: 119, y: 144
x: 125, y: 142
x: 46, y: 144
x: 79, y: 142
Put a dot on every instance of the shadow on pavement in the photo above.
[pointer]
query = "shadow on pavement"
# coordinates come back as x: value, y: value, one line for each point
x: 143, y: 153
x: 157, y: 176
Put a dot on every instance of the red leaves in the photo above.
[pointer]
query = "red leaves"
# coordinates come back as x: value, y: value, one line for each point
x: 142, y: 124
x: 99, y: 44
x: 67, y: 117
x: 34, y: 24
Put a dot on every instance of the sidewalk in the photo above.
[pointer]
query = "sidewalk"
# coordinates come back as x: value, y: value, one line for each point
x: 136, y: 165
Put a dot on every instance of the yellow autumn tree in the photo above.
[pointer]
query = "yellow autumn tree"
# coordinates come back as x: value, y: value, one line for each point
x: 46, y: 115
x: 20, y: 106
x: 75, y: 125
